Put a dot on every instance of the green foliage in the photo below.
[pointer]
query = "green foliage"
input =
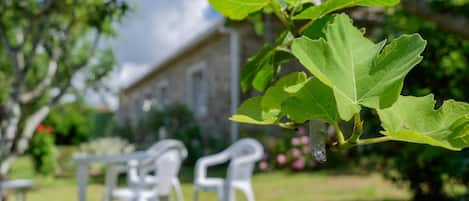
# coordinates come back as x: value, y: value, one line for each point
x: 414, y: 119
x: 258, y: 66
x: 266, y: 109
x: 179, y: 123
x: 350, y: 73
x: 72, y: 123
x: 237, y: 9
x: 445, y: 59
x: 44, y: 45
x: 43, y: 152
x: 359, y: 71
x: 4, y: 87
x: 329, y: 6
x: 321, y: 104
x: 459, y: 7
x: 432, y: 173
x: 251, y: 112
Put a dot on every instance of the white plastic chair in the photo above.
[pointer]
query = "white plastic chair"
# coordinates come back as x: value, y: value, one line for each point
x: 151, y: 177
x: 242, y: 157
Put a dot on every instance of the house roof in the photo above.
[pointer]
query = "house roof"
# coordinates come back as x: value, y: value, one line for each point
x: 210, y: 32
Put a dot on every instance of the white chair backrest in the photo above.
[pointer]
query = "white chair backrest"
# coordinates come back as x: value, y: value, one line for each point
x: 243, y: 156
x: 159, y: 148
x: 165, y: 159
x: 166, y: 144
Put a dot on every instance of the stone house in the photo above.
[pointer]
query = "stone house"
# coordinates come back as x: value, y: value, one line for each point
x: 204, y: 75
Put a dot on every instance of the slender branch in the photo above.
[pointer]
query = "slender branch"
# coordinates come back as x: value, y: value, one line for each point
x: 36, y: 40
x: 283, y: 17
x: 357, y: 129
x: 43, y: 85
x: 374, y: 140
x: 304, y: 27
x: 348, y: 144
x: 340, y: 134
x: 62, y: 91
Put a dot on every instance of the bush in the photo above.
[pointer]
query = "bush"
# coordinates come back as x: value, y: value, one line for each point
x: 72, y: 123
x: 179, y: 123
x: 104, y: 146
x: 290, y: 151
x: 42, y: 150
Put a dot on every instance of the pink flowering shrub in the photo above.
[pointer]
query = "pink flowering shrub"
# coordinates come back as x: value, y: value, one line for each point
x: 289, y: 152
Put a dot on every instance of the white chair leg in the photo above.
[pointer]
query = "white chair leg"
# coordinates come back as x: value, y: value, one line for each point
x: 178, y: 189
x: 221, y: 193
x: 248, y: 192
x: 232, y: 195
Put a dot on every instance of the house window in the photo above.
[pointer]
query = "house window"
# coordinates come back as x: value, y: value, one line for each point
x: 197, y: 89
x: 162, y: 98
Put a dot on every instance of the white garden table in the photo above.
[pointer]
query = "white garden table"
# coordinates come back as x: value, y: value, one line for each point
x: 84, y: 161
x: 20, y: 187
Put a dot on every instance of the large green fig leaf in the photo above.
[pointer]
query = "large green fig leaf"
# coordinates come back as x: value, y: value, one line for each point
x: 238, y: 9
x: 251, y: 112
x: 359, y: 71
x: 313, y: 100
x: 329, y: 6
x: 275, y: 95
x: 414, y: 119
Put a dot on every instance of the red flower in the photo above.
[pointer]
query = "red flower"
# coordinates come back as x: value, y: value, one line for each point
x: 44, y: 129
x: 40, y: 128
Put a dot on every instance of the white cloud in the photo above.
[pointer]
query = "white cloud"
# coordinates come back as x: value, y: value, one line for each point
x: 154, y: 31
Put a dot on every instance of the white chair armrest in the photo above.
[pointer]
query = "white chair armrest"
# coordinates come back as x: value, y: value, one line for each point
x: 246, y: 159
x: 207, y: 161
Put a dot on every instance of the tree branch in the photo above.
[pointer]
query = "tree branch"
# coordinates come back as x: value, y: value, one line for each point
x: 43, y: 85
x: 36, y: 40
x: 29, y: 126
x: 447, y: 21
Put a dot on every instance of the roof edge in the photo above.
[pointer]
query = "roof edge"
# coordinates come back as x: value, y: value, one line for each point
x: 214, y: 29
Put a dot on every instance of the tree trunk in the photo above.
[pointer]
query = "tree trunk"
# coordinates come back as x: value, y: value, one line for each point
x: 29, y: 127
x: 21, y: 143
x: 9, y: 124
x: 6, y: 164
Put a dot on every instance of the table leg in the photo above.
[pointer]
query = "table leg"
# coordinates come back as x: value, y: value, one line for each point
x: 82, y: 178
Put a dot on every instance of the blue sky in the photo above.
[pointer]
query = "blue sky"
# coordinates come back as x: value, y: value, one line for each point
x: 154, y: 30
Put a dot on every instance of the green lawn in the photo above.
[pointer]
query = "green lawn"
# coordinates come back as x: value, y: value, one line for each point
x: 276, y: 186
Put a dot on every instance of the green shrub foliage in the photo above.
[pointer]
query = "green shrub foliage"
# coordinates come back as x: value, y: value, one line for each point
x: 43, y: 151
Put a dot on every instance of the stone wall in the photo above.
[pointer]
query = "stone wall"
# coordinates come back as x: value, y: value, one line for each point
x: 214, y: 57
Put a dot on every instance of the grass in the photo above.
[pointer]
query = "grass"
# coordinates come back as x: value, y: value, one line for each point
x: 275, y: 186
